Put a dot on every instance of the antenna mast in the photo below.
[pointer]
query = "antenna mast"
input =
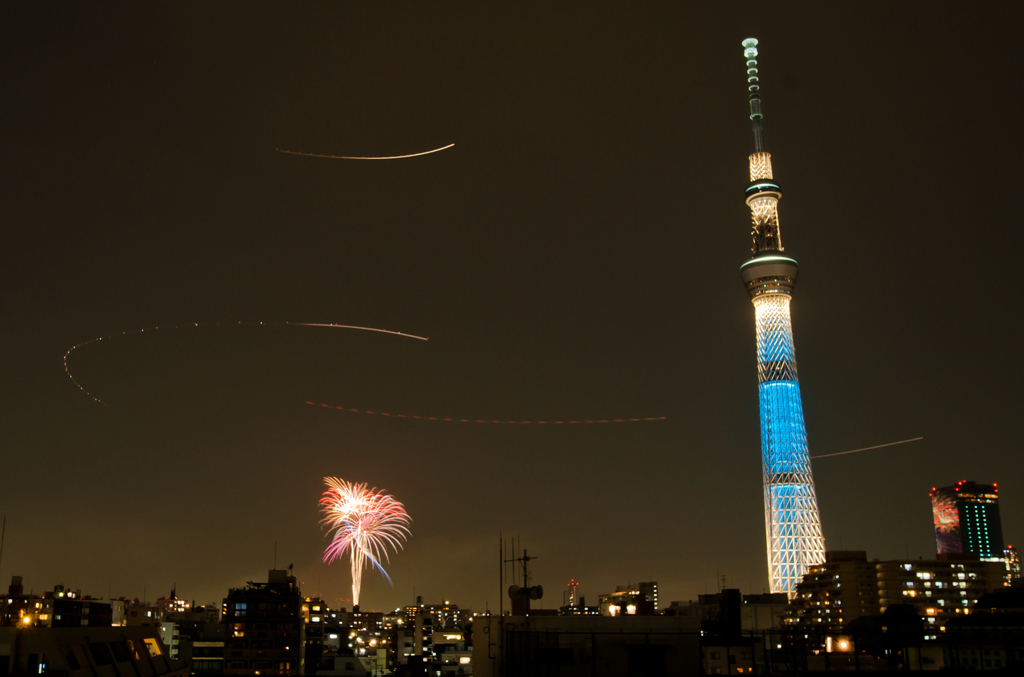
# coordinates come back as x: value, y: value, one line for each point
x: 764, y: 193
x: 750, y: 52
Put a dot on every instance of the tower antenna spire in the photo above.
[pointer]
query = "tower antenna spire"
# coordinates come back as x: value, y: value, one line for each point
x: 764, y: 193
x: 750, y: 53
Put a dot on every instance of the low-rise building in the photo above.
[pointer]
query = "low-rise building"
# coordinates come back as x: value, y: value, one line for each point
x: 634, y: 599
x: 169, y: 634
x: 143, y: 616
x: 941, y: 589
x: 586, y: 646
x: 847, y: 587
x: 59, y: 608
x: 86, y: 652
x: 842, y: 589
x: 991, y: 637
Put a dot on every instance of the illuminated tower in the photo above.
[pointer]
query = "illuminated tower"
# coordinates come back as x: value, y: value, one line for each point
x: 792, y: 524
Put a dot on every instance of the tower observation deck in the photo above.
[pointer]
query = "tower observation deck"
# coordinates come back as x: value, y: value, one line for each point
x: 791, y: 519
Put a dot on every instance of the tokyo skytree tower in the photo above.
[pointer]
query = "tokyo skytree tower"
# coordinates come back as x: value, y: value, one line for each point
x: 791, y: 520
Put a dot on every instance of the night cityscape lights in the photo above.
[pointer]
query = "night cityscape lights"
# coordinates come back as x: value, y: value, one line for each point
x: 792, y: 523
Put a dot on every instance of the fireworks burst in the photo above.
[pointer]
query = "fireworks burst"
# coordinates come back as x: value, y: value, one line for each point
x: 364, y: 523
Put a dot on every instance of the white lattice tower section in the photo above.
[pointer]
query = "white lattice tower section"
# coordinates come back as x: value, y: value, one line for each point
x: 760, y: 166
x: 764, y: 217
x: 792, y: 521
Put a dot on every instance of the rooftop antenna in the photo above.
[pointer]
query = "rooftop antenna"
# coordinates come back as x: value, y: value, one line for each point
x: 750, y: 52
x: 522, y: 594
x: 3, y: 533
x: 525, y: 561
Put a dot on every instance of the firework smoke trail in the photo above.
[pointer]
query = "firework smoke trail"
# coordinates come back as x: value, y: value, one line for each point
x: 365, y: 523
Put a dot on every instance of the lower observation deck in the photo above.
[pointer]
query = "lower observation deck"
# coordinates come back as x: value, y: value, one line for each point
x: 769, y: 272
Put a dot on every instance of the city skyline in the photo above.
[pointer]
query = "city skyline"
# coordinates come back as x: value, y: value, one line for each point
x: 573, y: 255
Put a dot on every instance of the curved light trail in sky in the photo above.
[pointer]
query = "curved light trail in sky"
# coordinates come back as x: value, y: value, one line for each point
x: 195, y: 325
x: 371, y: 157
x: 481, y: 420
x: 448, y: 419
x: 877, y: 446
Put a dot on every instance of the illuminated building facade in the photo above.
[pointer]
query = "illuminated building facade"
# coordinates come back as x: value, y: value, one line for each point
x: 315, y: 616
x: 847, y: 586
x: 966, y: 517
x: 264, y: 627
x: 1012, y: 558
x: 941, y: 589
x: 841, y: 589
x: 60, y: 608
x: 792, y: 522
x: 173, y: 604
x: 637, y: 599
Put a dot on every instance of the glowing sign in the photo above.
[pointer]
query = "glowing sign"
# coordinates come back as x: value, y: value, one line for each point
x: 947, y: 523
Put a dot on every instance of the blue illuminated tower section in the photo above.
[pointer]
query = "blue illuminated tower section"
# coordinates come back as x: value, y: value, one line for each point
x: 791, y: 520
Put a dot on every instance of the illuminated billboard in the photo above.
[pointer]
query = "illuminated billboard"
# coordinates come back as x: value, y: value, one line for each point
x: 947, y: 523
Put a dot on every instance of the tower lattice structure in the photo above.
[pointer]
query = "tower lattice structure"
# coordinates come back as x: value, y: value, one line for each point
x: 791, y: 519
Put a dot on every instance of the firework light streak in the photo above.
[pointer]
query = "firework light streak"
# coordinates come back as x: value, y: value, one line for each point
x: 372, y: 157
x: 364, y: 523
x: 195, y: 325
x: 481, y: 420
x: 449, y: 419
x: 351, y: 326
x: 877, y: 446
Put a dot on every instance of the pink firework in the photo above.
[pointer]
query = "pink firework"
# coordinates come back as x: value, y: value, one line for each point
x: 364, y: 524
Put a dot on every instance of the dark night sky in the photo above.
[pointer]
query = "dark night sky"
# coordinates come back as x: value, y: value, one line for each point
x: 574, y: 256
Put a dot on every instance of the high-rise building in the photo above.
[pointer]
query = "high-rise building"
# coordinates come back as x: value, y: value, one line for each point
x: 966, y: 517
x: 792, y: 523
x: 264, y: 628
